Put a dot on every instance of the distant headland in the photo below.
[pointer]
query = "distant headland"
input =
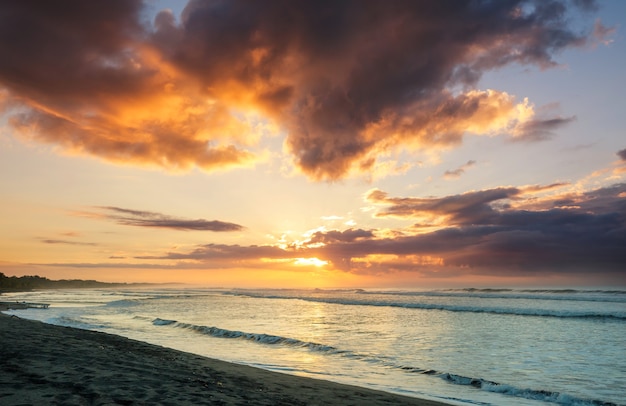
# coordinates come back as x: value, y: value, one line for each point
x: 22, y: 283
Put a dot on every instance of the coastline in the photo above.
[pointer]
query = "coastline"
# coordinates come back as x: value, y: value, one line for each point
x: 47, y: 364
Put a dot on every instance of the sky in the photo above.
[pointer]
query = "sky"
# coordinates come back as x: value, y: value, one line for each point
x: 314, y: 144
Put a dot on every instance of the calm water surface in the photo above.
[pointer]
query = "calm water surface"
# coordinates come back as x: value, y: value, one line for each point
x: 485, y: 347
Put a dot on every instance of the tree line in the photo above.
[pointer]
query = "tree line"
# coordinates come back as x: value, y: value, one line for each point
x: 39, y: 282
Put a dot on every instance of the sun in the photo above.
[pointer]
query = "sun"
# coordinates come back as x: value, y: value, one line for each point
x: 310, y: 262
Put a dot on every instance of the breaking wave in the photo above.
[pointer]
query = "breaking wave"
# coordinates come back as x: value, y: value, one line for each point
x: 537, y: 312
x: 478, y: 383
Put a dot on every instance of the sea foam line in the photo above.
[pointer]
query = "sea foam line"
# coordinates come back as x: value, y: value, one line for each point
x: 617, y: 316
x: 565, y: 295
x: 478, y: 383
x: 260, y: 338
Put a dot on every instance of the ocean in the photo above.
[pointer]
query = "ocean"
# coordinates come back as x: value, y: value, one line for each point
x: 460, y: 346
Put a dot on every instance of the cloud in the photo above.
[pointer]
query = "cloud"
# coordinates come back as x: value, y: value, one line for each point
x: 622, y: 154
x: 475, y: 207
x: 579, y: 147
x: 227, y: 256
x: 331, y: 218
x: 540, y: 129
x: 456, y: 173
x: 587, y: 235
x: 602, y: 33
x: 151, y: 219
x: 113, y: 265
x: 222, y: 256
x: 227, y: 253
x: 83, y: 76
x: 467, y: 208
x: 326, y: 237
x: 347, y: 82
x: 531, y: 231
x: 68, y: 242
x: 569, y: 234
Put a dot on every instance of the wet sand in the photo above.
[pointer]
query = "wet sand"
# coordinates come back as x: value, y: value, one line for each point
x: 42, y: 364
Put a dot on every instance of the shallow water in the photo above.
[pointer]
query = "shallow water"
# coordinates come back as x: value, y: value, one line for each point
x: 460, y: 346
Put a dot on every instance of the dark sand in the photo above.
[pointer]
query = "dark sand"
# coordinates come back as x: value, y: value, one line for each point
x: 42, y: 364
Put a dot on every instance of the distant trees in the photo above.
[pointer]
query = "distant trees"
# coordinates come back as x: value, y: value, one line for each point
x: 38, y: 282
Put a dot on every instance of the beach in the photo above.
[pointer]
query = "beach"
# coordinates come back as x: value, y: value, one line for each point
x: 158, y: 346
x: 48, y: 364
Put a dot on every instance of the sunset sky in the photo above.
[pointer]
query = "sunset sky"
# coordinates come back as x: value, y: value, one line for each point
x: 392, y: 144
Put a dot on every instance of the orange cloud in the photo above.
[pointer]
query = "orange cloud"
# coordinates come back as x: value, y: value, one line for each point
x: 346, y: 87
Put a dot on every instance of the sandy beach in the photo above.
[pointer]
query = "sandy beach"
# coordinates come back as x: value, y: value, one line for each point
x: 42, y: 364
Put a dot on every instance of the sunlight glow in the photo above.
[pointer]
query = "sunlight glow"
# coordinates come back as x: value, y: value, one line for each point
x: 310, y: 261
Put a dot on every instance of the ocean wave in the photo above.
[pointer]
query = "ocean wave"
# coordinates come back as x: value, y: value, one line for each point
x: 478, y: 383
x: 257, y: 337
x: 577, y: 314
x: 162, y: 322
x: 532, y: 294
x: 583, y: 295
x: 80, y: 323
x: 124, y: 303
x: 526, y: 393
x: 509, y: 390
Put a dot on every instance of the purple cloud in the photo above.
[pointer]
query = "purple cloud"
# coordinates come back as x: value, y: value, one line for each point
x: 151, y: 219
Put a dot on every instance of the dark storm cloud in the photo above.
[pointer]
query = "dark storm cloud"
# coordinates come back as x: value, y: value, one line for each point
x: 622, y: 154
x: 70, y: 47
x: 346, y: 79
x: 568, y: 243
x: 151, y: 219
x: 587, y: 237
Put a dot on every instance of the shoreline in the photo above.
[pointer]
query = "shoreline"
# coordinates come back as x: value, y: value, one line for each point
x: 48, y: 364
